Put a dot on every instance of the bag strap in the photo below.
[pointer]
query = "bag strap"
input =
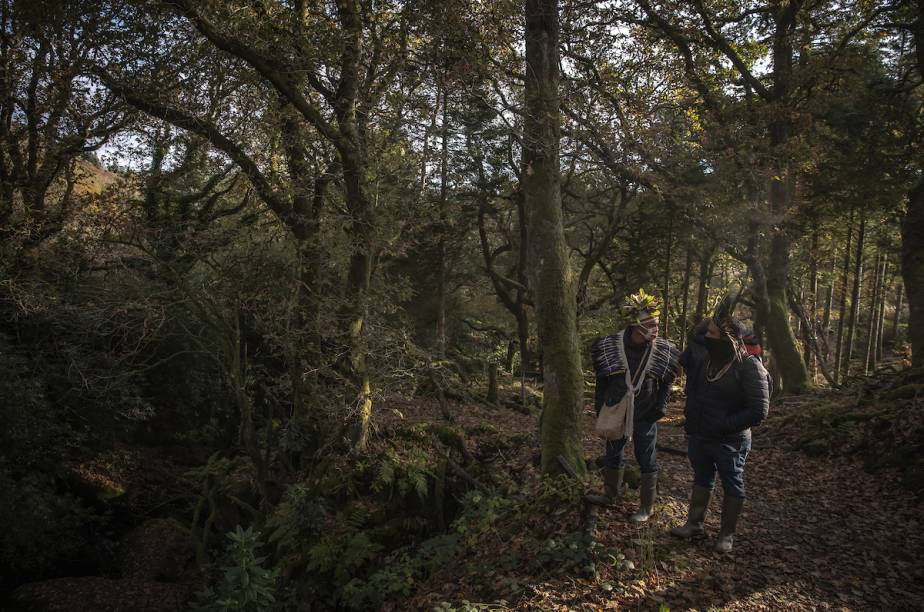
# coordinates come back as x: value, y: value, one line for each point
x: 643, y: 366
x: 621, y: 355
x: 631, y: 390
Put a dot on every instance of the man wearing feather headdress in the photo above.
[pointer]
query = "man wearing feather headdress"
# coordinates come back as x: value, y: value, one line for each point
x: 728, y: 392
x: 652, y: 365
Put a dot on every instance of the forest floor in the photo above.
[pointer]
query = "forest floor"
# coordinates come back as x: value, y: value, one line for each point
x: 817, y: 532
x: 832, y: 520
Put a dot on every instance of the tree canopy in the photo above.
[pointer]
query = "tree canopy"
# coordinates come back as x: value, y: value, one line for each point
x: 259, y: 231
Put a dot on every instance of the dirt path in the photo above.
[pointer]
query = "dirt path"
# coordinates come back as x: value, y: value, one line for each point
x: 814, y: 534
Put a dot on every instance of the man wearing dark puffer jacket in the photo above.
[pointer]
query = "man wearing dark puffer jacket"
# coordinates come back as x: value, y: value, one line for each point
x: 728, y: 392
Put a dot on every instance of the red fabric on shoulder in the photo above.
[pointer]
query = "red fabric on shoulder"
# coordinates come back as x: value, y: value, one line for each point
x: 751, y: 345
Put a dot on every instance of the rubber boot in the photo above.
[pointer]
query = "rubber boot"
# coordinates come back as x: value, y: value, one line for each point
x: 648, y: 490
x: 699, y: 501
x: 612, y: 488
x: 731, y: 510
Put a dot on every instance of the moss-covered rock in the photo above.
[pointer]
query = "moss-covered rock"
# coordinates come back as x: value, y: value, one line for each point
x: 449, y: 435
x: 817, y: 447
x: 632, y: 476
x: 908, y: 391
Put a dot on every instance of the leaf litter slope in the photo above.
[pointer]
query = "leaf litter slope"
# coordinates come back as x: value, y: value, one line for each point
x: 816, y: 533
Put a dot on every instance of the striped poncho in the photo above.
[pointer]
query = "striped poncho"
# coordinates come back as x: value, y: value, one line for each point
x: 608, y: 358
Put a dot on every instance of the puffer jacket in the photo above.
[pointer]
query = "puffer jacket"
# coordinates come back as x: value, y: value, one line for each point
x: 724, y: 410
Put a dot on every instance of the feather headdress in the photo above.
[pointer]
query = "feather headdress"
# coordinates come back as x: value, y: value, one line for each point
x: 638, y: 306
x: 723, y: 317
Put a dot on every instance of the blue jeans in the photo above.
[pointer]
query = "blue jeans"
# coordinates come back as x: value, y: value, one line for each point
x: 644, y: 438
x: 727, y: 458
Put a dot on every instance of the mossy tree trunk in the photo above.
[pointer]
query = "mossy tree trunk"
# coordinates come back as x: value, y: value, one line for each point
x: 779, y: 333
x: 552, y: 281
x: 351, y: 146
x: 359, y: 279
x: 887, y: 273
x: 666, y: 288
x: 761, y: 298
x: 358, y: 287
x: 782, y: 186
x: 809, y: 355
x: 522, y: 291
x: 442, y: 230
x: 870, y: 363
x: 842, y: 307
x: 685, y: 304
x: 855, y: 296
x: 829, y: 305
x: 897, y: 317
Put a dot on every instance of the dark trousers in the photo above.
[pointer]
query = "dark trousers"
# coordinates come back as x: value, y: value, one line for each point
x: 644, y: 439
x: 726, y: 458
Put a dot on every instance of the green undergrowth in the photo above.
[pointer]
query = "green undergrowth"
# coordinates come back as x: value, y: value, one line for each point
x: 828, y: 427
x: 513, y: 542
x: 879, y: 419
x: 47, y: 524
x: 357, y: 532
x: 401, y: 528
x: 363, y: 532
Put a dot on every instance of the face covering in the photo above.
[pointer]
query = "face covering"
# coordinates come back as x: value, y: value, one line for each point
x: 648, y: 334
x: 647, y: 326
x: 721, y: 350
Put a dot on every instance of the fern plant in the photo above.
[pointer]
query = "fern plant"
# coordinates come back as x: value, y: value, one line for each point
x: 247, y: 586
x: 404, y: 475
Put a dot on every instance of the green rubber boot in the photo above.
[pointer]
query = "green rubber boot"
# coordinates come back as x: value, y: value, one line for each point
x: 612, y: 488
x: 699, y: 501
x: 731, y: 510
x: 648, y: 491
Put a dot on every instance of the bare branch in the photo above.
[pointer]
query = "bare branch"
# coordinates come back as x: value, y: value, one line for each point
x: 207, y: 130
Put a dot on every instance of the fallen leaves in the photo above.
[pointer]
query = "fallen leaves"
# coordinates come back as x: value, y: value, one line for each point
x: 816, y: 534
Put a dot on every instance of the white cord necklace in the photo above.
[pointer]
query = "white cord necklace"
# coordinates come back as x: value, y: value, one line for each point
x: 719, y: 374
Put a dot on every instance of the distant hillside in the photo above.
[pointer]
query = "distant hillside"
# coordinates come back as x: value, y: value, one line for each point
x: 92, y: 179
